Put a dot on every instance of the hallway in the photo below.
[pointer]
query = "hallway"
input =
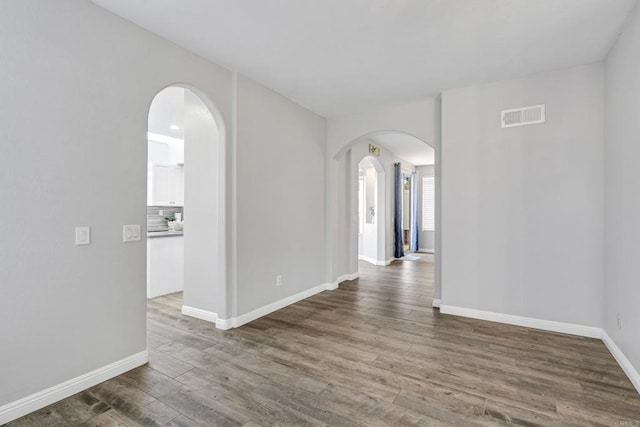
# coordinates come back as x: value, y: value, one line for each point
x: 373, y: 352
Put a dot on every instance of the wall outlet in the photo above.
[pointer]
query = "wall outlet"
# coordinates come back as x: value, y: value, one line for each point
x: 160, y: 212
x: 619, y: 321
x: 83, y: 235
x: 279, y: 280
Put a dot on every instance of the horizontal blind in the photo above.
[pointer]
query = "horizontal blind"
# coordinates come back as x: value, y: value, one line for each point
x: 428, y: 203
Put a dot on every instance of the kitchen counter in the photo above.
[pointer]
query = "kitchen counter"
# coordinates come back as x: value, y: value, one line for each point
x: 164, y: 234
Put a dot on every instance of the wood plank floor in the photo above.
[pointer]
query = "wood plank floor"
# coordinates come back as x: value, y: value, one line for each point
x: 372, y: 353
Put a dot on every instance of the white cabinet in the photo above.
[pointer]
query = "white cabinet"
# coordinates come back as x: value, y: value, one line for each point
x: 165, y: 265
x: 165, y: 185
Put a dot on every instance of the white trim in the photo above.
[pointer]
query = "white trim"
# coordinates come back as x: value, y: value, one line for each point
x: 372, y: 261
x: 528, y: 322
x: 39, y: 400
x: 232, y: 220
x: 200, y: 314
x: 436, y: 303
x: 235, y: 322
x: 625, y: 364
x: 345, y: 277
x: 426, y: 250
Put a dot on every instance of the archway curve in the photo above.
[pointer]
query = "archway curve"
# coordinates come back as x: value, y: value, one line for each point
x: 222, y: 190
x: 368, y: 135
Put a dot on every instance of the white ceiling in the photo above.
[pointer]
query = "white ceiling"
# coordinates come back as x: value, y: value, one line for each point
x: 344, y: 56
x: 167, y: 109
x: 406, y: 147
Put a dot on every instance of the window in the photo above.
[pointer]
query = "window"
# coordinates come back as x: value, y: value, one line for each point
x: 428, y: 203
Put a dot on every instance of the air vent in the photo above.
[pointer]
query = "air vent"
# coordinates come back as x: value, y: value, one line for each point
x: 523, y: 116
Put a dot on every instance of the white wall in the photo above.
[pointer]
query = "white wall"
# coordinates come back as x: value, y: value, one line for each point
x: 522, y: 208
x: 204, y: 278
x: 280, y: 197
x: 158, y: 152
x: 426, y: 239
x: 622, y: 204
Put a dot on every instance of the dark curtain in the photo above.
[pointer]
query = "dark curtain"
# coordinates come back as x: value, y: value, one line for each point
x: 398, y: 250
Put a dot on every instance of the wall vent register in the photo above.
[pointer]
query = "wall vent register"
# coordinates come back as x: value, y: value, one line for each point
x: 523, y: 116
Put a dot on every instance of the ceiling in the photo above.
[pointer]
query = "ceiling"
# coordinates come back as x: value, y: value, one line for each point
x: 167, y: 110
x: 347, y: 56
x: 406, y: 147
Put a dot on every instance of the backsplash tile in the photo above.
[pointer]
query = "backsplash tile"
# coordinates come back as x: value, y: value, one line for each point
x: 157, y: 222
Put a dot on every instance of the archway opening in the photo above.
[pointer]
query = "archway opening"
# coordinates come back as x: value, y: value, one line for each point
x: 410, y: 198
x: 371, y: 212
x: 186, y: 203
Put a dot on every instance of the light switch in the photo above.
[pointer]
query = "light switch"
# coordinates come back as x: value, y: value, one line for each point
x: 83, y: 235
x: 131, y: 233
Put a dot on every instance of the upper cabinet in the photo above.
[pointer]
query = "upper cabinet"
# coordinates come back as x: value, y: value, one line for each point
x: 165, y: 185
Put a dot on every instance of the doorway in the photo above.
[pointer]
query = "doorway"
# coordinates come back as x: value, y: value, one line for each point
x: 186, y: 202
x: 371, y: 211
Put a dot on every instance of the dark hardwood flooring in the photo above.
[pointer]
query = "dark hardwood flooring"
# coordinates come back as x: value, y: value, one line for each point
x: 372, y: 353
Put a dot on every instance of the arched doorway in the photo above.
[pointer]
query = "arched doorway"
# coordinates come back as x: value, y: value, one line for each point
x: 197, y: 123
x: 344, y: 239
x: 371, y: 211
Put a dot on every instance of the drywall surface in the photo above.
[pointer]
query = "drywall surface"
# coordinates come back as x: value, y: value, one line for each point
x: 204, y: 285
x: 622, y: 204
x: 76, y: 84
x: 281, y: 149
x: 417, y: 118
x: 426, y: 239
x: 522, y: 207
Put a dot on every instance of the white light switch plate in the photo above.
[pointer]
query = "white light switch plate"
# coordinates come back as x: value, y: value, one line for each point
x: 83, y: 235
x: 131, y: 233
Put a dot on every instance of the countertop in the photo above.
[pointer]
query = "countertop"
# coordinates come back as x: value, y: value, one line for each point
x: 164, y: 234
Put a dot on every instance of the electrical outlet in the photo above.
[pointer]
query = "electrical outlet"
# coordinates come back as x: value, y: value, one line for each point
x: 160, y: 212
x: 619, y: 321
x: 279, y: 280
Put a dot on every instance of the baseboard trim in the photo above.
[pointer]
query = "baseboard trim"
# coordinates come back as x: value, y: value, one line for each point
x: 436, y: 303
x: 235, y: 322
x: 345, y: 277
x: 528, y: 322
x: 208, y: 316
x: 426, y: 250
x: 372, y: 261
x: 631, y: 372
x: 39, y: 400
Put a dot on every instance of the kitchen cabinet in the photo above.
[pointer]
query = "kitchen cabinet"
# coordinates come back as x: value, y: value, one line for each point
x: 165, y: 185
x: 165, y: 265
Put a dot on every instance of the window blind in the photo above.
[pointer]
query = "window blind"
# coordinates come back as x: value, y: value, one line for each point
x: 428, y: 203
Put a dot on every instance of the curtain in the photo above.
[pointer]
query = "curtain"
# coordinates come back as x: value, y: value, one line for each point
x: 413, y: 240
x: 398, y: 251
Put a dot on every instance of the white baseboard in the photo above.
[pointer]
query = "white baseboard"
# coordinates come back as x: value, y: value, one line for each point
x: 436, y: 303
x: 425, y: 250
x: 207, y: 316
x: 373, y: 261
x: 200, y: 314
x: 39, y: 400
x: 235, y: 322
x: 625, y: 364
x: 345, y: 277
x: 528, y: 322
